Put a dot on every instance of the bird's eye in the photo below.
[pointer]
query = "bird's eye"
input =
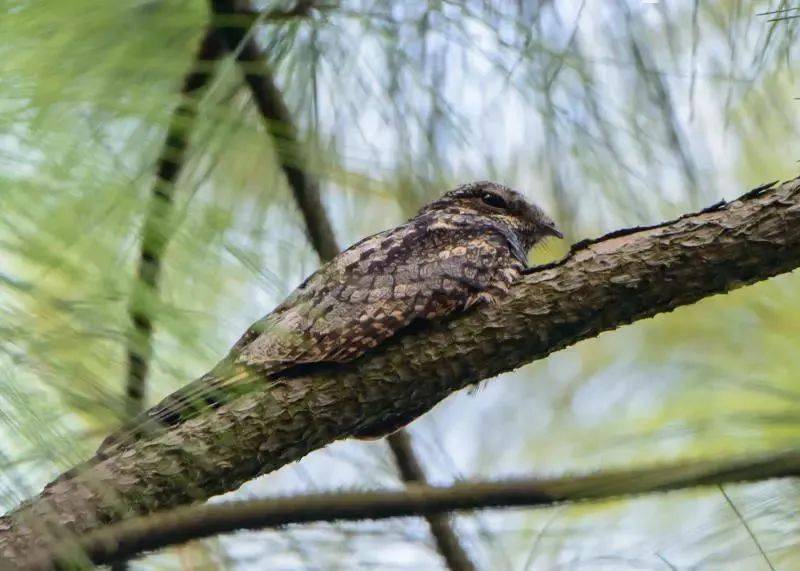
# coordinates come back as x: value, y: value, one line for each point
x: 493, y: 200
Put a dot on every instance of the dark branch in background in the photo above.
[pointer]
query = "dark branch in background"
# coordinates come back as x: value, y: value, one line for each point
x: 412, y: 473
x: 305, y: 189
x: 131, y: 538
x: 278, y: 121
x: 156, y: 232
x: 601, y: 285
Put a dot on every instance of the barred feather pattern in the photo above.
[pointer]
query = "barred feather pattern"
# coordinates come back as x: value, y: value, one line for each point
x: 460, y: 250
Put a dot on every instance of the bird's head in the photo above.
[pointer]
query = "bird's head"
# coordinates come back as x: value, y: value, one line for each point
x: 501, y: 205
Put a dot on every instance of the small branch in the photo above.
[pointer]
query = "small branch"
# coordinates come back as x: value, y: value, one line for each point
x: 156, y: 232
x: 133, y: 537
x: 411, y: 472
x: 747, y: 528
x: 278, y: 121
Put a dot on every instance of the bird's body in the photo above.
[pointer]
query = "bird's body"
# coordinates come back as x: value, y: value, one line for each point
x: 469, y: 246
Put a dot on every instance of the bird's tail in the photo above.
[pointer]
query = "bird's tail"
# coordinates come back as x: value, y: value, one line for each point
x: 214, y: 389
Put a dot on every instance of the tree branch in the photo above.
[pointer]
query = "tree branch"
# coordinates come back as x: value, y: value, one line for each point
x: 602, y: 284
x: 156, y: 232
x: 411, y: 472
x: 133, y: 537
x: 278, y: 121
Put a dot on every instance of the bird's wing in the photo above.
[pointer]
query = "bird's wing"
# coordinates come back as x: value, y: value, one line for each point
x: 375, y: 289
x: 421, y: 270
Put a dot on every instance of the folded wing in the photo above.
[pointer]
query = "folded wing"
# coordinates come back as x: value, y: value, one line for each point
x: 422, y: 270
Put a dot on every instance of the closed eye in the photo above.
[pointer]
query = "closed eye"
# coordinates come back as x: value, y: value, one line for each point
x: 493, y: 200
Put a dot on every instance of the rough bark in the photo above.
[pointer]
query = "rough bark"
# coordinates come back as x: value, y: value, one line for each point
x: 601, y: 285
x: 131, y: 538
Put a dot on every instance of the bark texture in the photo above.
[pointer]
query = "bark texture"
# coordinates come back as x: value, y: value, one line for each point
x: 601, y: 285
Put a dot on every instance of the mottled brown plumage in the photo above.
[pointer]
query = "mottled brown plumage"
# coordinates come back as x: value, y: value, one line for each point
x: 464, y: 248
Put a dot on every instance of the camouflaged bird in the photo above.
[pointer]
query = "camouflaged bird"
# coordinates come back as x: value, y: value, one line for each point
x: 467, y: 247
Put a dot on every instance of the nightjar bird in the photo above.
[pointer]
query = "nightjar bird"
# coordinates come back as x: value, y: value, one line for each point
x: 466, y: 247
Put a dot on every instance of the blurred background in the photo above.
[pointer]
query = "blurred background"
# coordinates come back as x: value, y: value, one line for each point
x: 607, y: 114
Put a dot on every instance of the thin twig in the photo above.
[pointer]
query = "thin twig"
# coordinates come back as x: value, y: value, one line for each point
x: 747, y: 527
x: 769, y: 12
x: 783, y: 18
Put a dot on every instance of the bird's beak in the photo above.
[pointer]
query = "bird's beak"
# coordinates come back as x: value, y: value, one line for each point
x: 551, y: 230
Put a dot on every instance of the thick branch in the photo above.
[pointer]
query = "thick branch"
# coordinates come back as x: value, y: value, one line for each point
x: 133, y: 537
x: 599, y: 286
